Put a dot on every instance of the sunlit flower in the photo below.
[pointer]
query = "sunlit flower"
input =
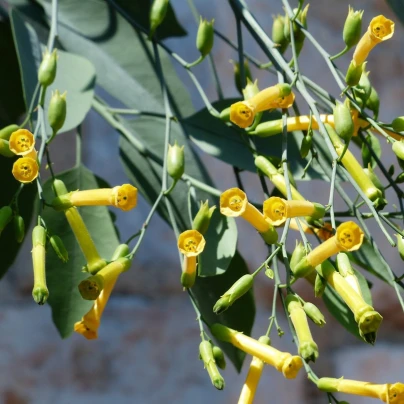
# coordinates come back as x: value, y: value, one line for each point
x: 25, y: 169
x: 21, y: 142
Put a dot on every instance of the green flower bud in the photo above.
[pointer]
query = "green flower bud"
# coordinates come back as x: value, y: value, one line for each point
x: 250, y: 89
x: 175, y: 161
x: 400, y: 246
x: 314, y: 313
x: 353, y: 74
x: 158, y: 12
x: 5, y: 149
x: 202, y: 218
x: 188, y: 279
x: 373, y: 102
x: 59, y: 248
x: 278, y: 34
x: 319, y: 285
x: 19, y: 228
x: 225, y: 115
x: 302, y: 17
x: 363, y: 89
x: 239, y: 288
x: 47, y: 68
x: 398, y: 149
x: 306, y: 144
x: 57, y: 111
x: 40, y: 291
x: 237, y: 76
x: 5, y: 217
x: 205, y: 37
x: 120, y: 252
x: 374, y: 178
x: 59, y: 187
x: 298, y: 254
x: 6, y: 132
x: 344, y: 125
x: 206, y: 352
x: 397, y: 124
x: 352, y: 28
x: 400, y: 178
x: 218, y: 354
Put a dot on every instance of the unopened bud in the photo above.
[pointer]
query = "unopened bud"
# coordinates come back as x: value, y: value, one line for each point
x: 120, y: 252
x: 319, y: 285
x: 175, y: 161
x: 398, y: 149
x: 250, y: 89
x: 202, y: 218
x: 59, y: 248
x: 158, y: 12
x: 400, y: 245
x: 239, y: 288
x: 344, y: 125
x: 400, y: 178
x: 57, y: 111
x: 206, y: 353
x: 205, y: 36
x: 398, y: 124
x: 47, y: 68
x: 278, y: 34
x: 314, y: 313
x: 218, y: 354
x: 363, y: 89
x: 373, y: 102
x: 374, y: 178
x: 306, y: 145
x: 6, y: 132
x: 352, y: 27
x: 5, y: 217
x: 237, y: 75
x: 298, y: 254
x: 225, y: 115
x: 5, y: 149
x: 59, y: 187
x: 19, y: 228
x: 188, y: 279
x: 353, y: 74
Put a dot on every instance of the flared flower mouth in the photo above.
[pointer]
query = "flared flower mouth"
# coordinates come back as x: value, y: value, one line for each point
x: 233, y: 202
x: 125, y: 197
x: 25, y: 169
x: 275, y: 209
x: 381, y: 28
x: 242, y: 114
x: 349, y: 236
x: 191, y: 243
x: 21, y: 142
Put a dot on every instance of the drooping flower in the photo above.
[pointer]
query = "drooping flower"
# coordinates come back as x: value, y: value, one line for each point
x: 25, y: 169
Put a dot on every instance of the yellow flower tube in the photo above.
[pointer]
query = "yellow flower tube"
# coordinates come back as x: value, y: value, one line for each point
x: 380, y: 29
x: 123, y: 197
x: 242, y: 113
x: 190, y: 243
x: 40, y: 291
x: 388, y: 393
x: 253, y: 377
x: 324, y: 233
x: 234, y: 203
x: 282, y: 361
x: 349, y: 237
x: 277, y: 210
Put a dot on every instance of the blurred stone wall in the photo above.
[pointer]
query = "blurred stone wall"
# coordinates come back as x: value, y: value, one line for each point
x: 147, y: 351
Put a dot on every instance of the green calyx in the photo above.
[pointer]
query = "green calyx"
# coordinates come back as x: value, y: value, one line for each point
x: 353, y: 74
x: 202, y: 218
x: 57, y: 111
x: 62, y: 202
x: 175, y: 161
x: 59, y: 248
x: 314, y: 313
x: 158, y: 12
x: 270, y: 236
x: 302, y: 268
x: 319, y: 285
x: 373, y: 102
x: 344, y: 265
x: 7, y: 131
x: 218, y: 354
x: 363, y: 89
x: 368, y: 323
x: 120, y: 252
x: 278, y: 33
x: 205, y: 36
x: 305, y: 147
x: 38, y: 236
x: 5, y: 149
x: 222, y: 332
x: 398, y: 149
x: 308, y: 350
x: 188, y: 280
x: 19, y: 228
x: 238, y: 289
x: 351, y: 33
x: 269, y: 128
x: 397, y: 124
x: 400, y: 245
x: 237, y: 76
x: 206, y: 353
x: 40, y: 294
x: 344, y: 125
x: 47, y: 68
x: 225, y: 115
x: 328, y: 384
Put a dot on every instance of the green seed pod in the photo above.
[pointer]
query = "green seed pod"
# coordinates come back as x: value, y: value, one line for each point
x: 175, y: 161
x: 400, y: 246
x: 47, y: 68
x: 352, y: 27
x: 344, y: 125
x: 6, y: 132
x: 298, y: 254
x: 218, y: 354
x: 306, y: 145
x: 158, y: 12
x: 363, y: 89
x: 120, y: 252
x: 373, y: 102
x: 314, y: 313
x: 5, y: 216
x: 278, y: 33
x: 59, y: 248
x: 250, y: 89
x: 5, y: 149
x: 237, y: 76
x: 205, y: 37
x: 206, y: 353
x: 400, y: 178
x: 398, y: 124
x: 398, y: 149
x: 57, y: 111
x: 319, y: 286
x: 239, y: 288
x: 40, y: 291
x: 19, y: 228
x: 353, y: 74
x: 374, y: 178
x: 202, y: 219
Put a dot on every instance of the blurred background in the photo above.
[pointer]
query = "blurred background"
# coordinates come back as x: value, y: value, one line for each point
x: 147, y: 350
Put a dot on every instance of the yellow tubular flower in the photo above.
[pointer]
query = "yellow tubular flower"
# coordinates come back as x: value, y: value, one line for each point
x: 380, y: 29
x: 242, y: 113
x: 388, y: 393
x: 277, y: 210
x: 123, y: 197
x: 253, y: 377
x: 234, y: 203
x: 283, y: 102
x: 324, y: 233
x: 22, y: 142
x: 349, y: 237
x: 190, y: 243
x: 282, y: 361
x: 25, y: 169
